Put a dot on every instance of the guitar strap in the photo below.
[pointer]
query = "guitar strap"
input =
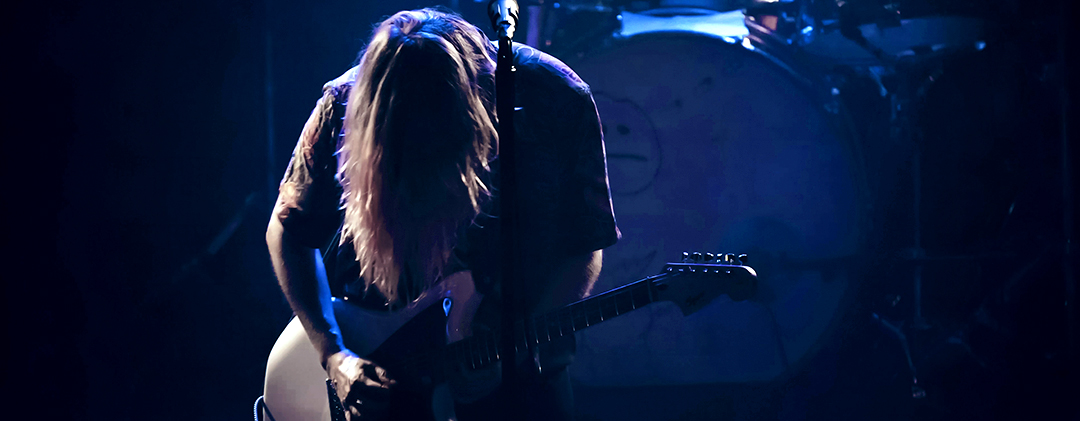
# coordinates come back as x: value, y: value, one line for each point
x: 331, y: 256
x: 337, y: 272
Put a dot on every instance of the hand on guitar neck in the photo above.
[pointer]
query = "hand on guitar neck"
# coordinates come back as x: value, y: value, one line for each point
x: 429, y: 356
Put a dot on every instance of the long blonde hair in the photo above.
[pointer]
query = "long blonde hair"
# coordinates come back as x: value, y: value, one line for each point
x: 419, y: 131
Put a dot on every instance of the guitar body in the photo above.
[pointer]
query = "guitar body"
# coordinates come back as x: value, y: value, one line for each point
x: 402, y: 342
x: 429, y: 349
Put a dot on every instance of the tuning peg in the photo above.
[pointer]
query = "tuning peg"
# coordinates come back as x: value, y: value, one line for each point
x: 696, y: 256
x: 729, y: 258
x: 685, y: 256
x: 744, y: 259
x: 710, y: 257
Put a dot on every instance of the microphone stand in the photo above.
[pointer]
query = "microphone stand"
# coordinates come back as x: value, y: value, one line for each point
x: 504, y: 17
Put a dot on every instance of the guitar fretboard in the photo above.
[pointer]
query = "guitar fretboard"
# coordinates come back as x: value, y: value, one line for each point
x: 483, y: 349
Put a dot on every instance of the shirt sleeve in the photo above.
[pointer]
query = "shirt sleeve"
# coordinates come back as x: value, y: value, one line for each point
x: 588, y: 217
x: 565, y: 201
x: 309, y: 192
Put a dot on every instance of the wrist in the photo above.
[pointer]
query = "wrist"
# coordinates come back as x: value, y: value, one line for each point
x: 335, y: 357
x: 330, y: 351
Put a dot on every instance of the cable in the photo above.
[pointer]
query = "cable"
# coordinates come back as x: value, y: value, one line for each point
x: 260, y: 404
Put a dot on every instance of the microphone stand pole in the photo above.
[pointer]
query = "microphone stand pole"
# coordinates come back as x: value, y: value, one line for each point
x: 504, y: 17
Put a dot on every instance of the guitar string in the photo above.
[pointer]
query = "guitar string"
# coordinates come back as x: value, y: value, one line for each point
x: 456, y: 351
x: 484, y: 354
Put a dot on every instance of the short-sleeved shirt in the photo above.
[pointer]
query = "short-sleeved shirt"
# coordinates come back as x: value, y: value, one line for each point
x: 565, y: 203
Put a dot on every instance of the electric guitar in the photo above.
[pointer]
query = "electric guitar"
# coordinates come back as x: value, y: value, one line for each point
x: 418, y: 344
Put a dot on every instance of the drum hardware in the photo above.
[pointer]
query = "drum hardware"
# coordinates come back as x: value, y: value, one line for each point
x: 732, y: 118
x: 904, y: 82
x: 850, y: 14
x: 904, y: 58
x: 718, y: 5
x: 904, y: 98
x: 978, y: 339
x: 572, y: 29
x: 892, y: 57
x: 857, y: 33
x: 897, y: 332
x: 725, y: 25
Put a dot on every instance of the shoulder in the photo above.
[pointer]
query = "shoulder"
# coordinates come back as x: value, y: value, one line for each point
x: 543, y: 66
x: 339, y: 88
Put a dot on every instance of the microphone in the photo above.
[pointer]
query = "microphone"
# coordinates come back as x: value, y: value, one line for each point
x: 504, y: 17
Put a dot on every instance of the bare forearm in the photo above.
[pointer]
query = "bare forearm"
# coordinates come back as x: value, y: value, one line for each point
x: 307, y: 294
x: 568, y: 279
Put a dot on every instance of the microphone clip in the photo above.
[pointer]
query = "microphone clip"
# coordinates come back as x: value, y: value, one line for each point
x: 504, y: 17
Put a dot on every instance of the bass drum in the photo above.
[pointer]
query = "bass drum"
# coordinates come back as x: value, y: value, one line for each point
x: 714, y: 147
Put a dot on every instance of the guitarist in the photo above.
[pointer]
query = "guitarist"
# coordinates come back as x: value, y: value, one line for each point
x: 395, y: 169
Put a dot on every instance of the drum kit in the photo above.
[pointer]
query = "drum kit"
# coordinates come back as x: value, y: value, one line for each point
x: 784, y: 128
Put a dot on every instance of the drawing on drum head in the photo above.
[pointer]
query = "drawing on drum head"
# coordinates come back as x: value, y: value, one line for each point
x: 634, y: 152
x: 750, y: 162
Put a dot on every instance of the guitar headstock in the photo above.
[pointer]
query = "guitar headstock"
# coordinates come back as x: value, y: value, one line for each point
x: 699, y: 277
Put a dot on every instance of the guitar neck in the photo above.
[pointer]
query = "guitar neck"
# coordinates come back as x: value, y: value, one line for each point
x: 480, y: 350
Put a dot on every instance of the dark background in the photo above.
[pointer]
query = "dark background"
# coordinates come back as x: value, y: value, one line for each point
x: 143, y: 144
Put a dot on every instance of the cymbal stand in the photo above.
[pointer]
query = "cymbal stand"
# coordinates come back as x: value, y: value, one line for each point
x: 906, y: 86
x: 904, y: 100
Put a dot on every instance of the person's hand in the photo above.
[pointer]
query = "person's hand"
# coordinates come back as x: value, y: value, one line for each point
x: 362, y: 386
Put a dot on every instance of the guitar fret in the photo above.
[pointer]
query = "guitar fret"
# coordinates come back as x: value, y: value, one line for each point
x: 538, y: 324
x: 566, y: 323
x: 624, y: 302
x: 482, y: 350
x: 488, y: 350
x: 477, y: 360
x: 563, y: 331
x: 484, y: 357
x: 571, y: 312
x: 640, y: 295
x: 479, y: 346
x: 524, y: 344
x: 469, y: 353
x: 605, y: 304
x: 577, y: 313
x: 547, y: 328
x: 552, y: 327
